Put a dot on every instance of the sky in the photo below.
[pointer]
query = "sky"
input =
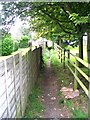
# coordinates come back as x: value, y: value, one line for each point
x: 0, y: 12
x: 0, y: 6
x: 15, y: 29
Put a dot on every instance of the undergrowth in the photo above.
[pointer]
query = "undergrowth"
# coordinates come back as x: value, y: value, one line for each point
x: 46, y: 55
x: 76, y: 112
x: 55, y: 62
x: 66, y: 79
x: 34, y: 107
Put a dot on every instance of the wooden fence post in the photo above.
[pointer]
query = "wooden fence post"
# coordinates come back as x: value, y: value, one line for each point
x: 68, y: 56
x: 37, y: 62
x: 64, y: 59
x: 41, y: 59
x: 76, y: 73
x: 89, y: 102
x: 61, y: 56
x: 89, y: 93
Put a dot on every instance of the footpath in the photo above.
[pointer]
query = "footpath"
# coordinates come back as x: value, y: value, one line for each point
x: 50, y: 97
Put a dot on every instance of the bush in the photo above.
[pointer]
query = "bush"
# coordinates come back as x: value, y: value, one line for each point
x: 7, y: 46
x: 46, y: 56
x: 55, y: 59
x: 24, y: 42
x: 0, y: 47
x: 16, y: 46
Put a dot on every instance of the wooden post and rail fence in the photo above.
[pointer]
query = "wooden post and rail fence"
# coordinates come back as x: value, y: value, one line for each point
x: 65, y: 58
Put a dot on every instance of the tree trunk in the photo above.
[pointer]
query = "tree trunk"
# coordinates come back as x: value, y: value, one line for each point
x: 88, y: 47
x: 81, y: 49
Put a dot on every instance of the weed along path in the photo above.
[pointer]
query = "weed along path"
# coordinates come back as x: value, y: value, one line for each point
x: 50, y: 97
x: 47, y: 100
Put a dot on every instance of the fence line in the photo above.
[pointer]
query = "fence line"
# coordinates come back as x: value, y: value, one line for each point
x: 18, y: 73
x: 76, y: 71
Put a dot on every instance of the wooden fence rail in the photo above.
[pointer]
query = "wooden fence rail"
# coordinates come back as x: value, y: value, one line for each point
x: 76, y: 71
x: 18, y: 73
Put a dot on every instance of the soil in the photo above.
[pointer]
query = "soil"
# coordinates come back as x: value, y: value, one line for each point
x: 50, y: 98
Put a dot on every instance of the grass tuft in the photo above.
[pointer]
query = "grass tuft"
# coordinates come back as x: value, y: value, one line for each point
x: 55, y: 62
x: 34, y: 105
x: 76, y: 112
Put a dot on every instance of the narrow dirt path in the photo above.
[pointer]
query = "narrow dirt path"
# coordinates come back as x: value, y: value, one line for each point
x: 50, y: 98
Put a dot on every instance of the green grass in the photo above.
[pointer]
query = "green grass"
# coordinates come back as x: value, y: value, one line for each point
x: 68, y: 103
x: 59, y: 93
x: 73, y: 50
x: 0, y: 47
x: 76, y: 50
x: 54, y: 59
x: 76, y: 112
x: 34, y: 105
x: 72, y: 58
x: 46, y: 55
x: 52, y: 54
x: 64, y: 79
x: 85, y: 70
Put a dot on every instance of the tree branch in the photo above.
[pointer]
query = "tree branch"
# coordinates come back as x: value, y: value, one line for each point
x: 56, y: 20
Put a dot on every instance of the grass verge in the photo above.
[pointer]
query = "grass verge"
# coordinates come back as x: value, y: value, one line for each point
x: 34, y: 107
x: 76, y: 112
x: 46, y: 55
x: 76, y: 106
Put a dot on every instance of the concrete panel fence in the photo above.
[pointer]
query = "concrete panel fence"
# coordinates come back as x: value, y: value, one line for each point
x: 18, y: 73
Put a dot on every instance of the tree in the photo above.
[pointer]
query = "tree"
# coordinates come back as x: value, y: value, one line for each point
x: 49, y: 19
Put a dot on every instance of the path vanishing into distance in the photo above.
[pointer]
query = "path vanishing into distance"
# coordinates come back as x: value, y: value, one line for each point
x: 48, y: 101
x: 50, y: 97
